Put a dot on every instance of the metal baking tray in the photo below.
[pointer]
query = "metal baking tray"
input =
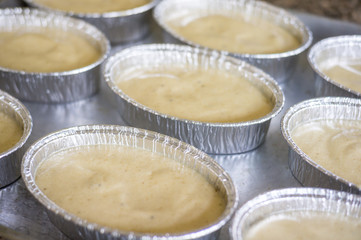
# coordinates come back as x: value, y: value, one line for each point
x: 254, y: 172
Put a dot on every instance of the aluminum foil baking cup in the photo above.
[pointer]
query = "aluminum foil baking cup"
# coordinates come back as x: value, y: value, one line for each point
x: 120, y: 26
x: 306, y: 171
x: 57, y: 86
x: 215, y: 138
x: 10, y: 160
x: 333, y: 49
x: 185, y: 154
x: 279, y: 65
x: 294, y: 200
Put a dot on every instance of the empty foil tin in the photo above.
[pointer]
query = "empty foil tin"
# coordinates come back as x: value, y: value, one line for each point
x: 56, y: 86
x: 278, y: 65
x: 333, y: 49
x: 10, y: 160
x: 293, y: 200
x: 119, y: 27
x: 306, y: 171
x: 76, y: 228
x: 216, y: 138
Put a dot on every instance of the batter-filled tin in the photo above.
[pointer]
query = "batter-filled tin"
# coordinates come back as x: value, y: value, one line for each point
x: 19, y: 26
x: 279, y: 64
x: 112, y: 135
x: 211, y: 137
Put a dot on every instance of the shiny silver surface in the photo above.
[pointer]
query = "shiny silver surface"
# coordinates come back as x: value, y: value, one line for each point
x: 185, y: 154
x: 216, y: 138
x: 253, y: 173
x: 10, y: 160
x: 119, y: 27
x: 292, y: 200
x: 278, y: 65
x: 333, y: 49
x: 303, y: 168
x: 58, y: 86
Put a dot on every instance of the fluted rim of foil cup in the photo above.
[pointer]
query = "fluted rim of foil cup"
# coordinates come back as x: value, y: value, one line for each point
x: 134, y: 137
x: 16, y: 108
x: 305, y: 37
x: 293, y: 199
x: 35, y: 17
x: 332, y: 43
x: 257, y: 76
x: 351, y: 106
x: 112, y: 14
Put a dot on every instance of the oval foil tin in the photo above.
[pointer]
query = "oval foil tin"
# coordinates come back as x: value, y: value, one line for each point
x: 334, y: 48
x: 287, y: 201
x: 306, y: 171
x: 75, y: 227
x: 119, y: 27
x: 215, y: 138
x: 53, y: 87
x: 10, y: 160
x: 278, y: 65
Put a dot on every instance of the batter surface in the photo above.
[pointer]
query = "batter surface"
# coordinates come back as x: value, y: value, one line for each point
x: 199, y: 95
x: 235, y: 34
x: 129, y: 189
x: 318, y: 227
x: 93, y: 6
x: 10, y: 132
x: 45, y: 50
x: 346, y: 73
x: 333, y: 144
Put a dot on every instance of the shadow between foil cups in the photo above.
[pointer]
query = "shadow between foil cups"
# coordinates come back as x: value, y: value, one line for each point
x: 54, y: 87
x: 215, y: 138
x: 77, y: 228
x: 279, y: 65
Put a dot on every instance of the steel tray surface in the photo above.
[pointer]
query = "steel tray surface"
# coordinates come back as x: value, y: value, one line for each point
x: 254, y: 172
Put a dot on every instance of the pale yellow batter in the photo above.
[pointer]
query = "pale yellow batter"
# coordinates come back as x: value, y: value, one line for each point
x: 333, y: 144
x: 10, y: 132
x: 317, y: 227
x: 235, y: 34
x: 93, y: 6
x: 346, y: 73
x: 129, y: 189
x: 45, y: 50
x: 199, y: 95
